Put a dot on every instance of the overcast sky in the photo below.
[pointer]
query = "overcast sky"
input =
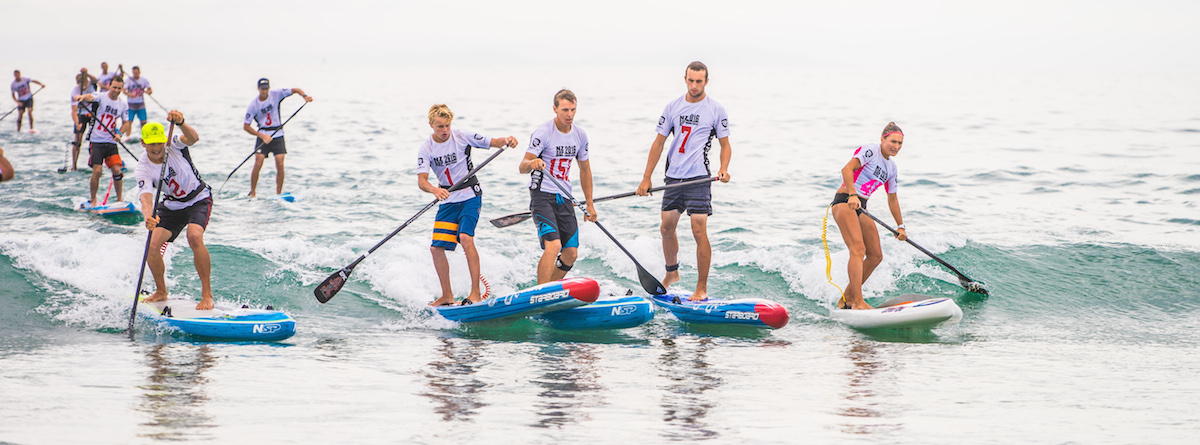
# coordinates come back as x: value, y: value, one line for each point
x: 827, y: 33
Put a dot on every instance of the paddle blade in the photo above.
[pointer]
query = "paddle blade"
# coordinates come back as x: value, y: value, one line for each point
x: 973, y: 286
x: 649, y: 283
x: 333, y: 284
x: 511, y: 220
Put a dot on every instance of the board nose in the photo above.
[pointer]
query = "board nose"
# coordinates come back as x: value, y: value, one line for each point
x: 772, y: 314
x: 583, y: 289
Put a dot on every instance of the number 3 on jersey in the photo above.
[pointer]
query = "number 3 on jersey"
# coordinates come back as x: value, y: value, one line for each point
x: 687, y: 133
x: 561, y: 168
x: 269, y: 123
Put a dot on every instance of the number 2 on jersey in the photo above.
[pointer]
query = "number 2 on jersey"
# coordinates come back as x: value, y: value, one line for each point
x: 687, y: 133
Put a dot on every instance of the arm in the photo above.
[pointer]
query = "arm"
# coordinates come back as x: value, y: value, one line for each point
x: 301, y: 93
x: 504, y: 142
x: 848, y: 182
x: 427, y: 187
x: 75, y: 115
x: 656, y: 150
x: 6, y: 167
x: 585, y: 181
x: 149, y: 90
x: 148, y: 210
x: 126, y: 127
x: 530, y: 163
x: 726, y: 153
x: 84, y: 98
x: 39, y: 83
x: 189, y: 136
x: 894, y: 206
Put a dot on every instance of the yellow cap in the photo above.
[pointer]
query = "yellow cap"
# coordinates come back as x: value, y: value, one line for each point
x: 153, y: 133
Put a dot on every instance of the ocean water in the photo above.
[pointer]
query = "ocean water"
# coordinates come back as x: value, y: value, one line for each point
x: 1072, y: 194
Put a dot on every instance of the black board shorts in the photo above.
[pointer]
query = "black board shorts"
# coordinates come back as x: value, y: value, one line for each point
x: 554, y: 218
x: 695, y: 198
x: 177, y: 220
x: 84, y: 121
x: 276, y: 146
x: 27, y: 103
x: 839, y: 198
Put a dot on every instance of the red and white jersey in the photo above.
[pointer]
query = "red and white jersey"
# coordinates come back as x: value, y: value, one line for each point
x: 450, y: 161
x: 695, y: 125
x: 265, y: 113
x: 21, y: 87
x: 134, y: 89
x: 84, y: 110
x: 104, y: 79
x: 875, y: 171
x: 111, y: 115
x: 181, y: 179
x: 557, y: 150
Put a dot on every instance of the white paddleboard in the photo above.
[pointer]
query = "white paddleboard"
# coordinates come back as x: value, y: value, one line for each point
x: 906, y: 311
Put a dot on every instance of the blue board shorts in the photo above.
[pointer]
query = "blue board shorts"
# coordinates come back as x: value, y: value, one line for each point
x: 554, y: 218
x: 453, y: 219
x: 139, y: 113
x: 695, y: 198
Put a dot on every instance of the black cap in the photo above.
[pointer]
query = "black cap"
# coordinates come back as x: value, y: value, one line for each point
x: 264, y: 83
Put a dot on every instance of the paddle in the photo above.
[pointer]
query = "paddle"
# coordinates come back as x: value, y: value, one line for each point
x: 257, y: 146
x: 330, y: 287
x: 151, y: 96
x: 517, y: 218
x: 18, y: 106
x: 137, y: 291
x: 648, y: 282
x: 964, y: 281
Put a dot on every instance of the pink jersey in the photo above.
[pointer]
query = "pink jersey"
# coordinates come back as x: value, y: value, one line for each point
x: 875, y: 171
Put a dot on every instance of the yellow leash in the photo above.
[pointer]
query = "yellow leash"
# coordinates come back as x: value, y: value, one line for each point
x: 828, y: 260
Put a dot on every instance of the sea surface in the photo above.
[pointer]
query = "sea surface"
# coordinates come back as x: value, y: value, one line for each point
x: 1074, y: 195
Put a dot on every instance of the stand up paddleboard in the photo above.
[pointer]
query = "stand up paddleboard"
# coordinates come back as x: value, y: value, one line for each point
x: 605, y: 313
x: 113, y: 208
x: 552, y: 296
x: 905, y: 311
x: 285, y: 197
x: 217, y: 323
x: 754, y: 312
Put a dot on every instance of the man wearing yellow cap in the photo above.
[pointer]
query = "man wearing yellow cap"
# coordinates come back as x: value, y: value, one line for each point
x: 186, y: 204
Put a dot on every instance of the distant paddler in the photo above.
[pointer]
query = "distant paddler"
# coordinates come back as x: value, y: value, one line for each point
x: 870, y: 167
x: 695, y: 119
x: 447, y: 155
x: 264, y: 111
x: 187, y: 202
x: 81, y: 112
x: 136, y: 87
x: 23, y: 96
x: 110, y: 110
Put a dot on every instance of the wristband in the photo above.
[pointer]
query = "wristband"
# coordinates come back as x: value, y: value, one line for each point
x: 900, y: 227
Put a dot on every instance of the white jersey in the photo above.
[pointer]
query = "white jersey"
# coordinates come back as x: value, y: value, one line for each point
x: 135, y: 88
x: 21, y: 87
x: 265, y: 113
x: 104, y: 79
x: 556, y: 149
x: 181, y: 180
x: 111, y: 115
x: 87, y: 106
x: 695, y: 125
x: 450, y: 161
x: 875, y: 171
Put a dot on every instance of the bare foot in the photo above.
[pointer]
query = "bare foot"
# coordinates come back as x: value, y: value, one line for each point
x: 443, y: 301
x: 699, y: 295
x: 474, y: 297
x: 251, y: 195
x: 158, y: 295
x: 671, y: 278
x: 206, y: 303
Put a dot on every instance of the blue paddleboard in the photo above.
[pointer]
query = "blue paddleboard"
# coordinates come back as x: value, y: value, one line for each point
x: 218, y: 323
x: 755, y: 312
x: 285, y: 197
x: 605, y: 313
x: 552, y: 296
x: 113, y: 208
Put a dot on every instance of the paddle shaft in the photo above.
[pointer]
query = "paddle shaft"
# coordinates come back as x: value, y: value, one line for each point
x: 137, y: 291
x: 330, y: 287
x: 259, y: 145
x: 18, y: 106
x: 524, y: 215
x: 960, y: 275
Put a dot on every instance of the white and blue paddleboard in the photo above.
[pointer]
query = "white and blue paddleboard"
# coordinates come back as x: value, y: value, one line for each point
x: 219, y: 323
x: 286, y: 197
x: 906, y: 311
x: 113, y: 208
x: 605, y: 313
x: 753, y: 312
x: 552, y: 296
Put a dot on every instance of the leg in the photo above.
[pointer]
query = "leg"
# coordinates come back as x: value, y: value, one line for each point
x: 195, y: 236
x: 75, y: 151
x: 31, y: 117
x: 279, y: 173
x: 258, y: 163
x: 97, y: 171
x: 442, y: 266
x: 568, y: 256
x: 118, y: 183
x: 546, y: 267
x: 848, y: 224
x: 157, y: 267
x: 670, y: 243
x: 703, y: 255
x: 468, y: 244
x: 874, y: 253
